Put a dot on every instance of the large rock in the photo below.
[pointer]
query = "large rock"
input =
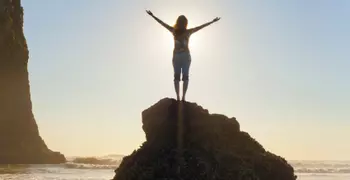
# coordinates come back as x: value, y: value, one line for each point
x: 184, y: 141
x: 20, y: 141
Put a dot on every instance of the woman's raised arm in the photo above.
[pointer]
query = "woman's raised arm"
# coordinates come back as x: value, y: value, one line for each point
x: 171, y: 29
x: 193, y: 30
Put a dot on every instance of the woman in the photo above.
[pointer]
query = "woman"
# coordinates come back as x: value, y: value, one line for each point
x: 181, y: 53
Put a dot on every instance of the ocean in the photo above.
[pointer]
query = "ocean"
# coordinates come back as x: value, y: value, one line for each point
x: 305, y: 170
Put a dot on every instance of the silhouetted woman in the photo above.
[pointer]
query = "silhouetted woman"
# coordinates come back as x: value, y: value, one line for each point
x: 181, y: 53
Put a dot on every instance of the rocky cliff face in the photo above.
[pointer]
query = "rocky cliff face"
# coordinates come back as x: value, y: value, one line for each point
x: 20, y: 141
x: 185, y: 142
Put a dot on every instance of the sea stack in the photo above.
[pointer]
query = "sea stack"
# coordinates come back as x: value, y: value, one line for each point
x: 20, y: 142
x: 184, y: 141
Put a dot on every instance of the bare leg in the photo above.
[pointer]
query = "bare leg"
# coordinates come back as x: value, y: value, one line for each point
x: 177, y: 87
x: 184, y: 90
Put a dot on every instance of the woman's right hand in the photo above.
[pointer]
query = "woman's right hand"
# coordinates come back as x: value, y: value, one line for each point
x: 149, y: 12
x: 216, y: 19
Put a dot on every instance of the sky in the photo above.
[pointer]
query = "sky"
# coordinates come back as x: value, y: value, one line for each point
x: 280, y: 67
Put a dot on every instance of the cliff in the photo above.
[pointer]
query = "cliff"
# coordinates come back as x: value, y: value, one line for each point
x: 20, y: 142
x: 185, y: 141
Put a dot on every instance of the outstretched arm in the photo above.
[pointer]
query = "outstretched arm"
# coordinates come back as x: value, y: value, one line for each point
x: 193, y: 30
x: 160, y: 21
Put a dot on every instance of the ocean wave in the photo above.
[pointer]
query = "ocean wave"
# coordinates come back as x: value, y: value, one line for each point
x: 113, y: 157
x: 72, y: 165
x: 105, y: 162
x: 321, y: 167
x: 322, y: 170
x: 94, y: 160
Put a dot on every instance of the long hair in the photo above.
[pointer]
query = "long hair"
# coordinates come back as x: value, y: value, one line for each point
x: 181, y: 25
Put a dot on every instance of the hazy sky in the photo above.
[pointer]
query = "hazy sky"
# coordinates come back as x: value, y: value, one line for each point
x: 280, y: 67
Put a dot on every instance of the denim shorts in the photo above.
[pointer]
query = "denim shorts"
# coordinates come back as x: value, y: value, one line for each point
x: 181, y: 64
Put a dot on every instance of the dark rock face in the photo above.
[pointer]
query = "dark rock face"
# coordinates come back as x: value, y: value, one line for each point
x: 185, y: 142
x: 20, y: 141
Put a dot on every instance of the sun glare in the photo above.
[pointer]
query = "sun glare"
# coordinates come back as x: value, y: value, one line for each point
x: 193, y: 42
x: 167, y: 41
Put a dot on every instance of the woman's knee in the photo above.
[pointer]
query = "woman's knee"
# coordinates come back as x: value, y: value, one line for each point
x: 185, y: 77
x: 177, y: 77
